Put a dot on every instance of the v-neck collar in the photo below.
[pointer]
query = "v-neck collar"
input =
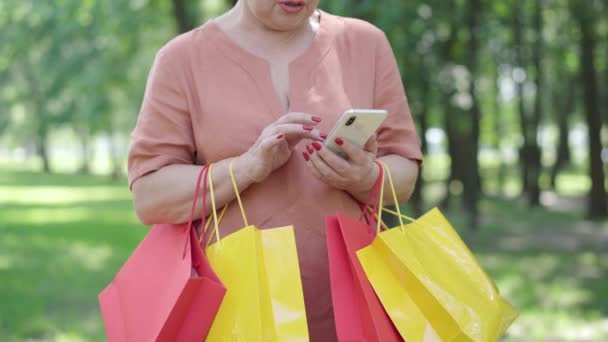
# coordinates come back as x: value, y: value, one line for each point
x: 300, y: 68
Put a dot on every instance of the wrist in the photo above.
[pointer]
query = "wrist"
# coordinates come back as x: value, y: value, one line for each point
x: 249, y: 167
x: 362, y: 190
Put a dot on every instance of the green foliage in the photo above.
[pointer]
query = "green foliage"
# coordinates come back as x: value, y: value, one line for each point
x: 76, y: 63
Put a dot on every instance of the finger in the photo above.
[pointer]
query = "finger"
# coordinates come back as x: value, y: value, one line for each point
x: 355, y: 153
x: 298, y: 132
x: 312, y: 169
x: 299, y: 118
x: 372, y: 145
x: 341, y: 166
x: 326, y: 172
x: 270, y: 142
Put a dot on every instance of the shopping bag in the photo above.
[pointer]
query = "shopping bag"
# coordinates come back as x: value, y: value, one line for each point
x: 424, y: 274
x: 358, y: 313
x: 260, y: 268
x: 166, y: 291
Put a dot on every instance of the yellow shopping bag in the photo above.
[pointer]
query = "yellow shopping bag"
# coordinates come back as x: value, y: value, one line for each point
x: 430, y: 283
x: 264, y: 299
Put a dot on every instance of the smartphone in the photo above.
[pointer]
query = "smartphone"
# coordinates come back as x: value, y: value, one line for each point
x: 356, y: 126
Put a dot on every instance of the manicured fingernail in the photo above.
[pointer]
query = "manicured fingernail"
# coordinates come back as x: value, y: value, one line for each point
x: 307, y: 127
x: 306, y: 156
x: 316, y: 119
x: 317, y: 146
x: 323, y: 135
x: 280, y: 136
x: 309, y: 149
x: 339, y: 141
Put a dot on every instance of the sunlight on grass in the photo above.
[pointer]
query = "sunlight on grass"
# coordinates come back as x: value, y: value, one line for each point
x: 60, y: 194
x: 50, y: 216
x: 62, y: 239
x: 69, y: 337
x: 6, y: 261
x: 551, y: 298
x: 92, y: 258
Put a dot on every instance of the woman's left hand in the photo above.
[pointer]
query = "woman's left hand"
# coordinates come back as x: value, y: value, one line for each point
x: 356, y: 175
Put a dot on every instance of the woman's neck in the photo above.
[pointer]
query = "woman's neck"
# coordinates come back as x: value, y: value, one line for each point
x: 239, y: 18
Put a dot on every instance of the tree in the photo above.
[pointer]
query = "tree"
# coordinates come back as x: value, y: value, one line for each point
x: 534, y: 153
x: 562, y: 88
x: 584, y: 16
x: 530, y: 154
x: 66, y: 60
x: 472, y: 180
x: 186, y: 14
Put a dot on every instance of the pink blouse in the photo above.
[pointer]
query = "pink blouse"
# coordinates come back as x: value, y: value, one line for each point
x: 208, y: 99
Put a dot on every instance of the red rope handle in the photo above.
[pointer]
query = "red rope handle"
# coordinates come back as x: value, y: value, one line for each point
x: 374, y: 196
x: 201, y: 174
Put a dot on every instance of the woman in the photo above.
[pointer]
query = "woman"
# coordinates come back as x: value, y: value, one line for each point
x: 265, y: 82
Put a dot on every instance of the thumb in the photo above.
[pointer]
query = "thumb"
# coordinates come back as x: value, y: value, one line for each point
x: 372, y: 145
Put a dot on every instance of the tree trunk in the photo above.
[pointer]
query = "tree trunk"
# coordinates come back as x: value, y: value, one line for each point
x: 498, y: 135
x: 454, y: 150
x: 472, y: 181
x: 115, y: 157
x: 417, y: 199
x: 597, y: 206
x: 563, y: 109
x: 448, y: 115
x: 518, y: 42
x: 535, y: 164
x: 606, y: 85
x: 41, y: 147
x: 185, y: 15
x: 85, y: 167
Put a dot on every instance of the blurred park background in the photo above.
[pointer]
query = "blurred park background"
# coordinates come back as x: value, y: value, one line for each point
x: 510, y: 99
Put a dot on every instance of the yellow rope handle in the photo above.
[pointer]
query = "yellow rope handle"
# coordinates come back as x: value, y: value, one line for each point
x: 216, y: 220
x: 200, y: 240
x: 371, y: 210
x: 392, y: 185
x: 236, y: 191
x: 380, y: 203
x: 214, y: 210
x: 400, y: 215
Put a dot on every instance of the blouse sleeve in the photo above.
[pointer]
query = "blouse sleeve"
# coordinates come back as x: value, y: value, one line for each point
x: 397, y: 135
x: 163, y: 134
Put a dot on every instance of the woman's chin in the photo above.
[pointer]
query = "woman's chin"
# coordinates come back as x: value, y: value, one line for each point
x: 288, y: 22
x: 284, y: 25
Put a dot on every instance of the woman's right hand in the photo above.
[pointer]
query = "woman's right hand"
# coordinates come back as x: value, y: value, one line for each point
x: 275, y: 145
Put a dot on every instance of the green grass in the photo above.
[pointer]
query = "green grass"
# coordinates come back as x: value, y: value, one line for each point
x: 63, y: 237
x: 552, y: 266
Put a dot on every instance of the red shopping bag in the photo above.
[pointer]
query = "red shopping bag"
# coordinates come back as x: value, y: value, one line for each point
x: 358, y: 313
x: 167, y: 290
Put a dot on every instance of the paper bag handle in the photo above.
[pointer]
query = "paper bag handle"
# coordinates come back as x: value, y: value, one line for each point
x: 397, y: 213
x: 373, y: 195
x: 201, y: 173
x: 217, y: 219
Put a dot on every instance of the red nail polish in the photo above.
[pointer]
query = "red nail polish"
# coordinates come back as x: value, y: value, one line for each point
x: 280, y: 136
x: 323, y: 135
x: 306, y: 156
x: 316, y: 119
x: 309, y: 149
x: 307, y: 127
x: 317, y: 146
x: 339, y: 141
